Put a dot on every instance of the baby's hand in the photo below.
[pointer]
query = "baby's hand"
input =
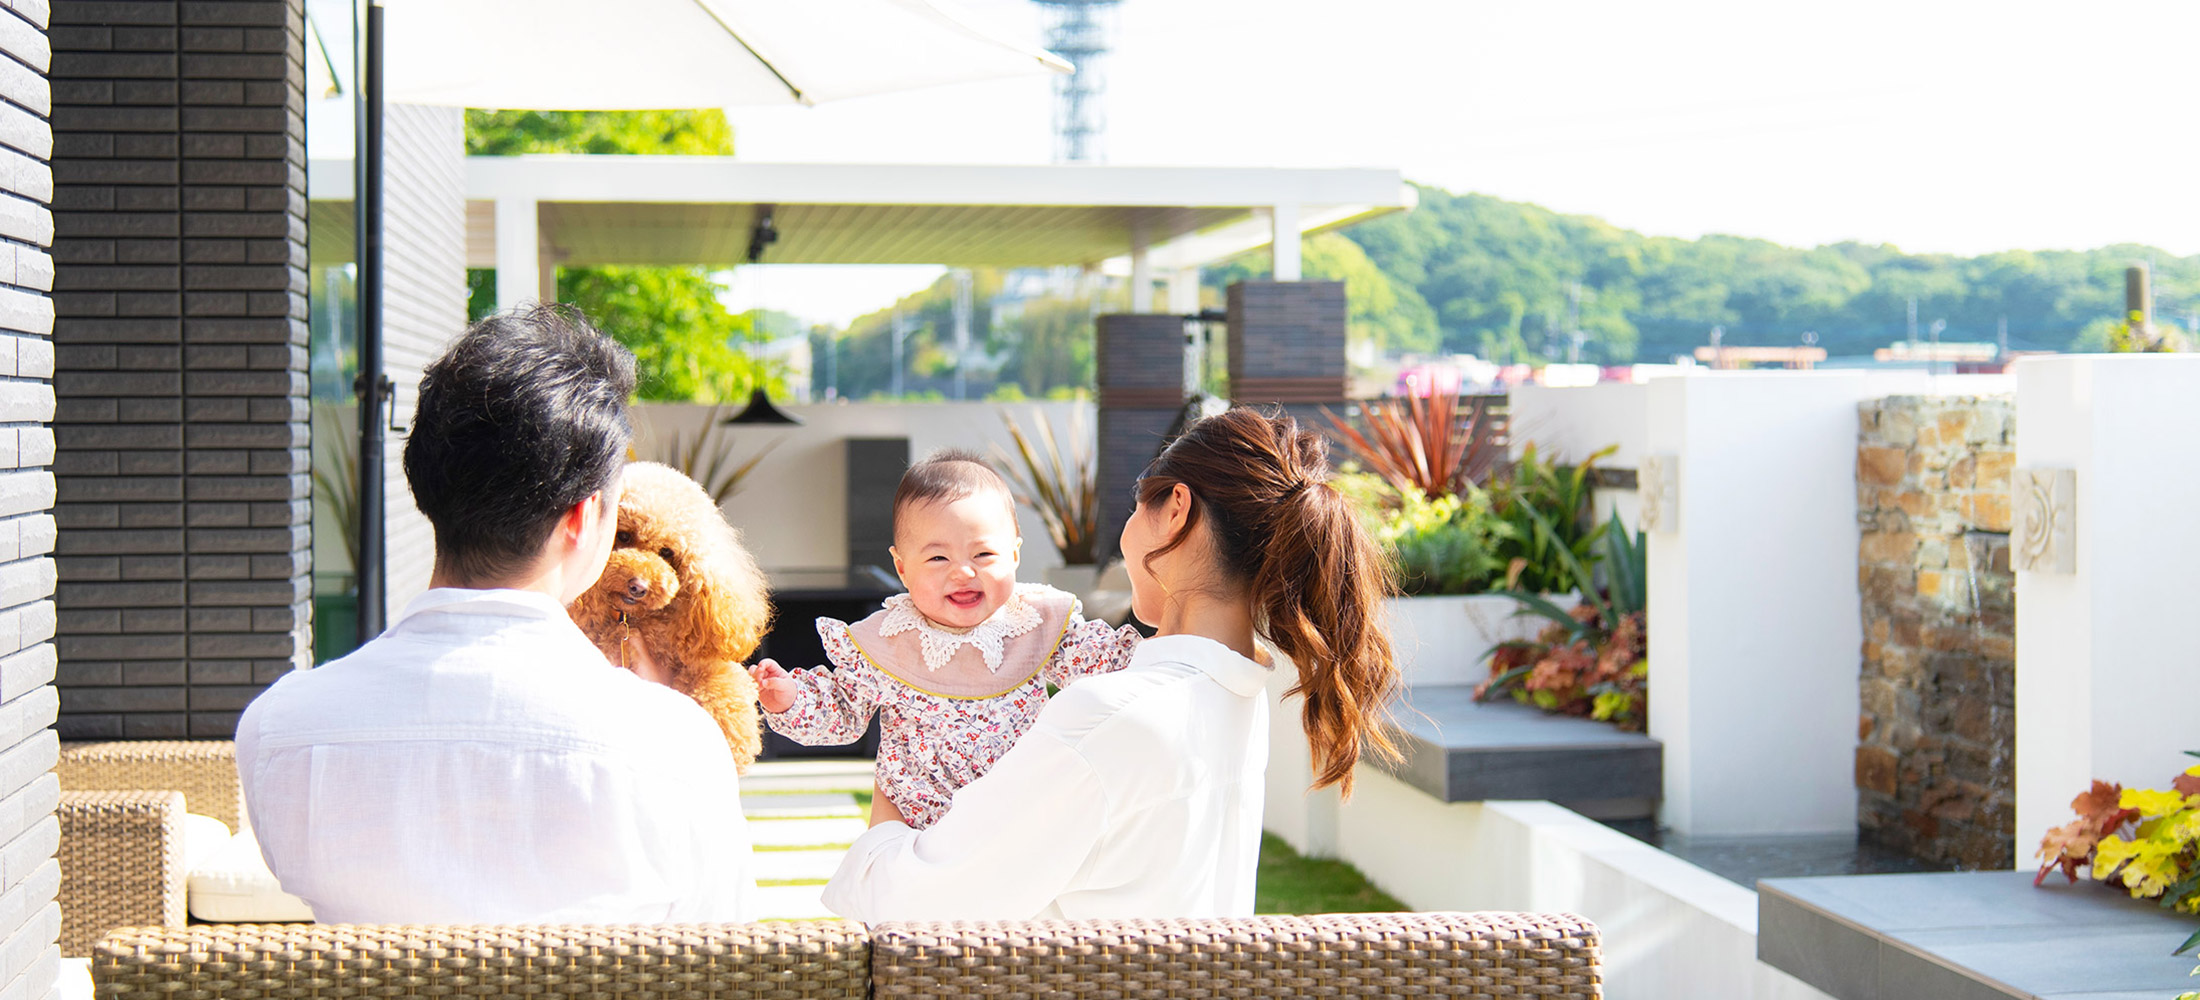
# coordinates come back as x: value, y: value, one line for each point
x: 774, y: 686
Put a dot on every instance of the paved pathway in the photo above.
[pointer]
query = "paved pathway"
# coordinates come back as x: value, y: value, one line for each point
x: 802, y: 817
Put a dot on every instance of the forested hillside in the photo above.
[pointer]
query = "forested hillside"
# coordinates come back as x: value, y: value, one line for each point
x: 1496, y: 278
x: 1474, y: 274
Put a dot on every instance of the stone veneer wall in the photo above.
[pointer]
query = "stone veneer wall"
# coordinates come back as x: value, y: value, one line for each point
x: 30, y: 878
x: 1935, y: 761
x: 180, y: 288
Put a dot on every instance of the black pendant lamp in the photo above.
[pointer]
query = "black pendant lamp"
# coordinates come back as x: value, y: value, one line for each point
x: 762, y: 233
x: 760, y: 411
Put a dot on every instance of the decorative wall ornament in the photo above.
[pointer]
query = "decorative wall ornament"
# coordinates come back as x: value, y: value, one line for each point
x: 1658, y: 485
x: 2046, y: 537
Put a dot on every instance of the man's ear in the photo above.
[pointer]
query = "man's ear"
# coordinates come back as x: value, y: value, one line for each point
x: 578, y: 517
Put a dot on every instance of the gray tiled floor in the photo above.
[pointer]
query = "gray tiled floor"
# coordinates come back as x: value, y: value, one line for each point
x: 1744, y: 860
x: 1970, y: 934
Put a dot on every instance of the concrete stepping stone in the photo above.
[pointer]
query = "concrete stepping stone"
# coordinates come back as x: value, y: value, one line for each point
x: 791, y: 902
x: 805, y: 832
x: 808, y: 776
x: 780, y: 866
x: 806, y: 805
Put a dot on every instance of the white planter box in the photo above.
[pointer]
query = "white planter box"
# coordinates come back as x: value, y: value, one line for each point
x: 1077, y: 580
x: 1440, y: 640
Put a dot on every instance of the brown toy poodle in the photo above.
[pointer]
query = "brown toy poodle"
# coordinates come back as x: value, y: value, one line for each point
x: 680, y: 581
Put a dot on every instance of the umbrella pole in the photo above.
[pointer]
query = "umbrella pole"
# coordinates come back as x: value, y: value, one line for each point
x: 373, y: 386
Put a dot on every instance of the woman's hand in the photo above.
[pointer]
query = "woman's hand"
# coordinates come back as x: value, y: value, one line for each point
x: 883, y: 809
x: 774, y: 686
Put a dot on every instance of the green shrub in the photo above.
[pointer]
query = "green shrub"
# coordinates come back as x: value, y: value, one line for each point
x: 1443, y: 546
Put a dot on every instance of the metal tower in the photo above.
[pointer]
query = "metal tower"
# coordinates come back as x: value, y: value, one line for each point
x: 1076, y: 33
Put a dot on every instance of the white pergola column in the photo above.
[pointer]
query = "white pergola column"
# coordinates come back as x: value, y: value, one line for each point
x: 2093, y: 664
x: 519, y: 254
x: 546, y: 274
x: 1284, y: 222
x: 1141, y: 281
x: 1184, y: 291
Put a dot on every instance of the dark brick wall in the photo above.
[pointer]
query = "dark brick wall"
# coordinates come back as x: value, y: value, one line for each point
x: 1139, y: 362
x: 1287, y: 346
x: 1936, y: 740
x: 29, y: 876
x: 180, y: 294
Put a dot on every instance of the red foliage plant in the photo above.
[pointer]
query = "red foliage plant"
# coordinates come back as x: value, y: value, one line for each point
x: 2071, y: 844
x: 1439, y: 445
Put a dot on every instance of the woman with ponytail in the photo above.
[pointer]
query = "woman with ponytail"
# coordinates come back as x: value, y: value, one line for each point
x: 1138, y: 793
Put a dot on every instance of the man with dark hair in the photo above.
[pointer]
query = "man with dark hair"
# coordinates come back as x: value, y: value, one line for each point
x: 479, y: 762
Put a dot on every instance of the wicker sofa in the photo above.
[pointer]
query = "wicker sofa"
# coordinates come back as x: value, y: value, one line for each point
x: 122, y: 820
x: 121, y: 816
x: 1388, y: 954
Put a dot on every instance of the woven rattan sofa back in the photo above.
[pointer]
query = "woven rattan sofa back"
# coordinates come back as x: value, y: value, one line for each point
x: 205, y: 771
x: 1440, y: 954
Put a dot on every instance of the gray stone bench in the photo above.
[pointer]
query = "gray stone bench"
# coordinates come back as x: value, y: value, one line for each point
x: 1970, y: 936
x: 1459, y: 751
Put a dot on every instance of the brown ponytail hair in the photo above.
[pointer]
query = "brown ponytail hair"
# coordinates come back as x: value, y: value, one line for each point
x: 1315, y: 579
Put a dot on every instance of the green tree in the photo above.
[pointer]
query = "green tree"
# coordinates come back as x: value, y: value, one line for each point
x: 1046, y: 345
x: 682, y: 336
x: 1380, y: 311
x: 1500, y: 276
x: 687, y: 345
x: 702, y: 132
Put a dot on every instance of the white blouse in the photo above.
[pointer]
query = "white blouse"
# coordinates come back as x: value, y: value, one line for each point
x: 1135, y: 794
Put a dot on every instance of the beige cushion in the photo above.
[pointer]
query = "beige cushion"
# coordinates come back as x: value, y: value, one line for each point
x: 233, y: 886
x: 202, y: 836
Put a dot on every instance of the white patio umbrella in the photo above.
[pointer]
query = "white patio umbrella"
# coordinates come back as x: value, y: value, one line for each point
x: 579, y: 55
x: 593, y: 55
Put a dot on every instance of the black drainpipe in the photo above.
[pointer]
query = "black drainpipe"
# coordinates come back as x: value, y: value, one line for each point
x: 373, y: 386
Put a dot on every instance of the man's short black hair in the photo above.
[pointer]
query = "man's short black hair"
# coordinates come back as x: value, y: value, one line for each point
x: 522, y: 418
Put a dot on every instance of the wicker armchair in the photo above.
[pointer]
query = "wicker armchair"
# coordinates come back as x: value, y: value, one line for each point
x: 121, y: 813
x: 1450, y: 954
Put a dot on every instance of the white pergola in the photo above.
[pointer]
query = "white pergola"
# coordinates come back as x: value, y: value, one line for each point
x: 528, y: 214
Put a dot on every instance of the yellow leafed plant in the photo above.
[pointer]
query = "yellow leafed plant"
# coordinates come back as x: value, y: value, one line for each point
x: 2146, y: 840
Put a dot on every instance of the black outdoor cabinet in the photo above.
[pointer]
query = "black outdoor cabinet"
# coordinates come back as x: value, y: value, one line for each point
x: 799, y: 599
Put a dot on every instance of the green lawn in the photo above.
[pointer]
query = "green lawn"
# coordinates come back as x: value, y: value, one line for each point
x: 1288, y: 883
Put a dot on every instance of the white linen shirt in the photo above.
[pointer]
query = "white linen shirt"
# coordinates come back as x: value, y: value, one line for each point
x: 480, y: 762
x: 1134, y: 794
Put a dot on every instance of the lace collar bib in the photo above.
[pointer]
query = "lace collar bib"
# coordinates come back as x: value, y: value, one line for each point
x: 1014, y: 618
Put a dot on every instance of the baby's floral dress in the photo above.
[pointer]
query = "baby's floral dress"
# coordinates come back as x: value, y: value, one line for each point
x: 949, y: 703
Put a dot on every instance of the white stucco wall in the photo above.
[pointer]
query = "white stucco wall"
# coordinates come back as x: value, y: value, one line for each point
x: 2104, y: 671
x: 1575, y: 423
x: 1672, y: 931
x: 1755, y: 629
x: 792, y: 509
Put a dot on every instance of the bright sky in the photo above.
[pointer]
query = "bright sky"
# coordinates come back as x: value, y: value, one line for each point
x: 1959, y: 127
x: 1934, y: 126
